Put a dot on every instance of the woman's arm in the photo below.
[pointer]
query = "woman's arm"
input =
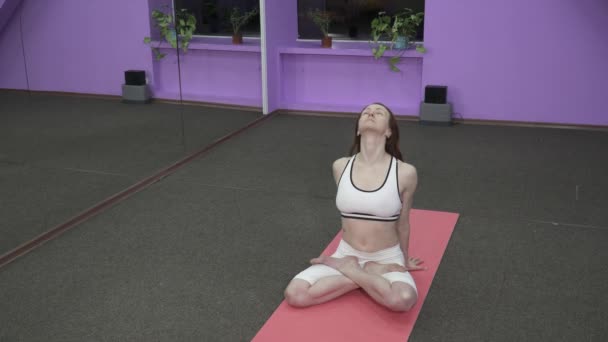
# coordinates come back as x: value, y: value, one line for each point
x: 408, y: 180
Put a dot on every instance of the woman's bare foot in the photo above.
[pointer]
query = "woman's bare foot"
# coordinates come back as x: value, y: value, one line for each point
x: 380, y: 269
x: 339, y: 264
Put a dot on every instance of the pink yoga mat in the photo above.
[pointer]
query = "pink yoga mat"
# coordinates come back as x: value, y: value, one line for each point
x: 355, y: 316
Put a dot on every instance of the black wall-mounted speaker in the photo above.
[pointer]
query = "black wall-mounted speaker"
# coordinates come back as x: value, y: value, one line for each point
x: 135, y: 77
x: 435, y: 94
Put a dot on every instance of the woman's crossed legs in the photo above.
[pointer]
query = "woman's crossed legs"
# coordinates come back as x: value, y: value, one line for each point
x: 385, y: 279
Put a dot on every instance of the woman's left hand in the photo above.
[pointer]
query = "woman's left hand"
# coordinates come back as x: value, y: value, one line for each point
x: 414, y: 264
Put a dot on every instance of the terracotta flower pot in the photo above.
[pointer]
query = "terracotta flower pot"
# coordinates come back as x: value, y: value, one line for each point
x: 237, y: 38
x: 326, y: 42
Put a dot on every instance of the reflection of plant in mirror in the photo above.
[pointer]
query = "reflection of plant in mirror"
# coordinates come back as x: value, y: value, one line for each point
x: 322, y: 19
x: 399, y: 29
x: 184, y: 25
x: 238, y: 20
x: 210, y: 9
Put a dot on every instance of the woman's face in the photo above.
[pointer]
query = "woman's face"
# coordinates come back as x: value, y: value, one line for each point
x: 375, y: 118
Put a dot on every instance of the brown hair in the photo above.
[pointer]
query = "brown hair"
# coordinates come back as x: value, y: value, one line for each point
x: 392, y: 143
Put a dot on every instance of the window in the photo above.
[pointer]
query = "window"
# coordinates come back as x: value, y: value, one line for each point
x: 213, y: 16
x: 352, y: 18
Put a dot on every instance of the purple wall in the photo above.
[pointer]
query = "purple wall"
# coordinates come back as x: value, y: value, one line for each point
x: 541, y: 61
x: 84, y: 46
x: 519, y: 60
x: 231, y: 76
x: 301, y: 77
x: 12, y: 64
x: 7, y: 7
x: 213, y: 70
x: 355, y: 81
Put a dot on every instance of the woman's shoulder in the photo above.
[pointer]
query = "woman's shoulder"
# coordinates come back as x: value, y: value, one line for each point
x: 340, y: 163
x: 407, y: 171
x: 338, y: 166
x: 405, y: 166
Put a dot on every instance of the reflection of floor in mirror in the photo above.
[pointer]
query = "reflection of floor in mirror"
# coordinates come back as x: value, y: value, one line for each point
x: 74, y: 152
x: 206, y: 253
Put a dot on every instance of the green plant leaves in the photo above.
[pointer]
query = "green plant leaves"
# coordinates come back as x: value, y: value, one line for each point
x: 404, y: 23
x: 322, y: 19
x: 393, y: 63
x: 183, y: 24
x: 239, y: 20
x: 380, y: 51
x: 157, y: 54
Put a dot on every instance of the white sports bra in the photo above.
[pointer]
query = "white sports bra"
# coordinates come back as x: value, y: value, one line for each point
x: 382, y: 204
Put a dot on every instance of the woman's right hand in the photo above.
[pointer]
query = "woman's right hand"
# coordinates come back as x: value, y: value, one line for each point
x: 414, y: 264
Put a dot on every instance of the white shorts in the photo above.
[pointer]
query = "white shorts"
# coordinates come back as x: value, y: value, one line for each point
x: 391, y: 255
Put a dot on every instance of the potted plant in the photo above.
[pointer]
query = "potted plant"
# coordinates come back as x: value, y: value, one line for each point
x: 398, y: 30
x: 322, y: 19
x: 184, y: 25
x: 238, y: 20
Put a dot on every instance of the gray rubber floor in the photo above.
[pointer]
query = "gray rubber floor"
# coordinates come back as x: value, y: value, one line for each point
x: 205, y: 254
x: 60, y: 155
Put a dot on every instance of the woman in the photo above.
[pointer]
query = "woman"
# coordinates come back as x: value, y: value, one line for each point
x: 375, y: 193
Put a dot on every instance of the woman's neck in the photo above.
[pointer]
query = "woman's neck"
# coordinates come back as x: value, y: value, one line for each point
x: 372, y: 149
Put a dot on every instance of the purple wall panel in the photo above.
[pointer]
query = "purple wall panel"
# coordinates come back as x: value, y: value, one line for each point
x: 541, y: 61
x: 281, y: 31
x: 165, y: 81
x: 348, y: 83
x: 84, y: 46
x: 232, y: 77
x: 537, y: 61
x: 7, y: 9
x: 12, y: 64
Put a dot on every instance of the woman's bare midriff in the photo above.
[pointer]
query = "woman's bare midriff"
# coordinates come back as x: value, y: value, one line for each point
x: 369, y: 236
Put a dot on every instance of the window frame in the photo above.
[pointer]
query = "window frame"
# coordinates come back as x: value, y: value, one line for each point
x: 352, y: 41
x: 345, y: 42
x: 194, y: 36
